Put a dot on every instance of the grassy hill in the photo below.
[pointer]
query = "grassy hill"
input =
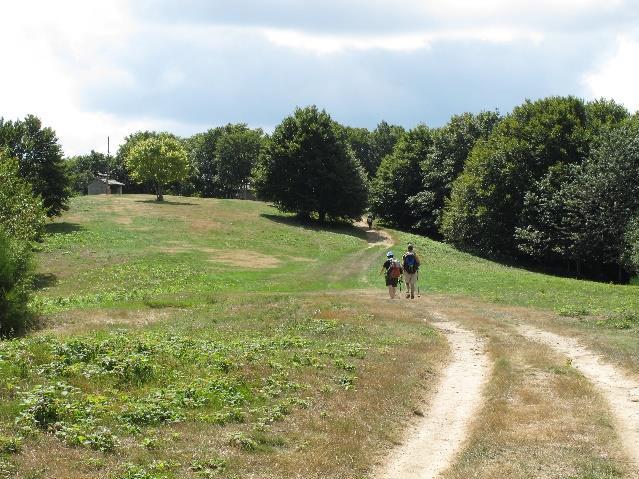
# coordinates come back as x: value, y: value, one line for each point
x: 216, y: 338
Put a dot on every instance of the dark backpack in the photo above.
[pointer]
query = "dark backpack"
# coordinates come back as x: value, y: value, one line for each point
x: 410, y: 263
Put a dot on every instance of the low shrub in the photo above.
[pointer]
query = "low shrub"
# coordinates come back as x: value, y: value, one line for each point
x: 14, y: 285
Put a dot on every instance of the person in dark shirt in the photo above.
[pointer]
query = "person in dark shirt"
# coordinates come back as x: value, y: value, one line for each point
x: 392, y: 270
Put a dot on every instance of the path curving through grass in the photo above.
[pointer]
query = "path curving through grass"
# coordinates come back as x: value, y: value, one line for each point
x: 434, y: 441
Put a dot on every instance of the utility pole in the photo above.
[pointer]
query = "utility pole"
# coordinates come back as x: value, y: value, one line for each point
x: 108, y: 187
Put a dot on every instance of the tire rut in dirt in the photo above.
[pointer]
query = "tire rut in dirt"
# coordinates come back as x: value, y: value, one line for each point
x: 433, y: 442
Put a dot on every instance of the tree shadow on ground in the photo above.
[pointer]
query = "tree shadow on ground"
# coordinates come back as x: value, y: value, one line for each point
x: 340, y: 227
x: 44, y: 280
x: 62, y: 228
x: 166, y: 202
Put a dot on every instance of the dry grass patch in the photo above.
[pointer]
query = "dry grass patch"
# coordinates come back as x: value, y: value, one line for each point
x: 87, y: 320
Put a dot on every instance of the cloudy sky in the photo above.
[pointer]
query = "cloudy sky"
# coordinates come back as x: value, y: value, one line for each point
x: 95, y: 68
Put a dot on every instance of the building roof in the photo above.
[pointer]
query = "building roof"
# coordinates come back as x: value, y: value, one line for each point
x: 102, y: 177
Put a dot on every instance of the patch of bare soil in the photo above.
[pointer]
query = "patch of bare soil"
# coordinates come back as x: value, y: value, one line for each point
x: 621, y: 392
x: 435, y: 440
x: 243, y: 259
x: 87, y: 320
x: 375, y: 237
x: 203, y: 225
x: 236, y: 257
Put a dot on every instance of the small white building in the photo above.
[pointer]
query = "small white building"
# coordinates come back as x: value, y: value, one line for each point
x: 99, y: 186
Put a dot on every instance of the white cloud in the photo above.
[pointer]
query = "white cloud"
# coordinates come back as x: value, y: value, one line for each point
x: 328, y: 44
x: 55, y: 49
x: 617, y: 77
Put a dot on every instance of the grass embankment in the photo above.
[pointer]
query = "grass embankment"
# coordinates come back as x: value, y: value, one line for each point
x: 170, y: 350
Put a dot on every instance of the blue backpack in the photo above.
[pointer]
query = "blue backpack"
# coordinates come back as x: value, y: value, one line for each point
x: 410, y: 263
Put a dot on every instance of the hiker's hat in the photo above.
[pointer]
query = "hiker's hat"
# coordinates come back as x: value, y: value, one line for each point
x: 389, y: 254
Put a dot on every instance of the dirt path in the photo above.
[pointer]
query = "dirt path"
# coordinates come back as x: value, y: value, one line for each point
x: 375, y: 237
x: 436, y: 438
x: 621, y: 392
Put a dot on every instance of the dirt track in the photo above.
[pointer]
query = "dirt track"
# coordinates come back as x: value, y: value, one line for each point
x: 434, y: 441
x: 621, y: 392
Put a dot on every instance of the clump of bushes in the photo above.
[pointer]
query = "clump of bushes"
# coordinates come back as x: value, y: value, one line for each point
x: 22, y: 218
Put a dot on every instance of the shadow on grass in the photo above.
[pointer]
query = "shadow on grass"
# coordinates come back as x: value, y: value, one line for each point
x: 166, y: 202
x: 314, y: 225
x: 44, y: 280
x: 62, y: 228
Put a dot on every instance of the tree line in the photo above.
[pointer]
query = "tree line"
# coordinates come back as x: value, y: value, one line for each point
x: 555, y: 182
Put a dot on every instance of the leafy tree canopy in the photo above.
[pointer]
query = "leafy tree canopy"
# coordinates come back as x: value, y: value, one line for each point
x: 158, y: 160
x: 39, y: 158
x: 22, y: 215
x: 308, y: 167
x: 399, y: 178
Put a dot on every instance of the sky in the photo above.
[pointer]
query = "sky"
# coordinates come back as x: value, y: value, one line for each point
x: 92, y: 69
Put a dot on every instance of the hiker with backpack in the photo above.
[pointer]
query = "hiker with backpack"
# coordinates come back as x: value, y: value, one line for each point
x: 393, y: 272
x: 369, y: 221
x: 410, y: 265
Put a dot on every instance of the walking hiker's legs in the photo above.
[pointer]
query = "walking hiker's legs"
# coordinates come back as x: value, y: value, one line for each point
x: 391, y: 291
x: 410, y: 285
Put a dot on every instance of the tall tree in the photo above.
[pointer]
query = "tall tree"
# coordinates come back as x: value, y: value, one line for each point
x: 487, y: 199
x: 120, y: 171
x: 236, y: 153
x: 158, y: 160
x: 443, y: 163
x: 22, y: 219
x: 383, y: 140
x: 603, y: 198
x: 39, y: 158
x: 308, y: 167
x: 203, y: 155
x: 399, y: 178
x: 361, y: 142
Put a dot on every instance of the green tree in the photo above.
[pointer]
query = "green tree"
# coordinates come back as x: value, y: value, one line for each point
x: 203, y: 155
x: 158, y: 160
x: 443, y: 163
x: 399, y: 178
x: 120, y: 170
x: 383, y: 140
x: 308, y: 167
x: 603, y: 198
x: 361, y: 142
x: 487, y: 199
x: 22, y: 219
x: 40, y: 160
x: 236, y: 153
x: 22, y: 214
x: 631, y: 251
x: 545, y: 232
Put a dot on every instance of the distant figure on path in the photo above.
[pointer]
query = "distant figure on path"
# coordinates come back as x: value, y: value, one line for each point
x: 392, y: 270
x: 410, y: 264
x: 369, y: 221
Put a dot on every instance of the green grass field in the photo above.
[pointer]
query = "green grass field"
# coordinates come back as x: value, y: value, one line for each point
x: 217, y: 338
